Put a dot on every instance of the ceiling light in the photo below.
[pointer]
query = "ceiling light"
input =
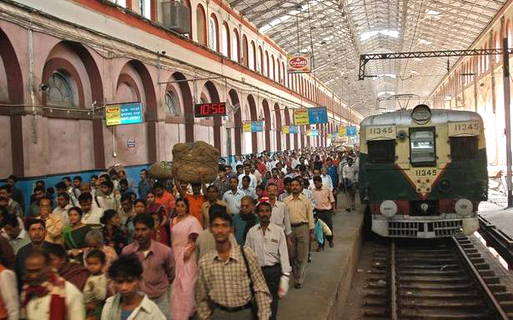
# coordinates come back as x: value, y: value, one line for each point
x: 432, y: 12
x: 294, y: 12
x: 422, y: 41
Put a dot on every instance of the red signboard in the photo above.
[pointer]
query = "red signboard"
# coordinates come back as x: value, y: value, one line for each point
x: 202, y: 110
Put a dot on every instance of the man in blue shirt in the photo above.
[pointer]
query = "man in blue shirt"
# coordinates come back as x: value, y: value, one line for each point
x: 245, y: 220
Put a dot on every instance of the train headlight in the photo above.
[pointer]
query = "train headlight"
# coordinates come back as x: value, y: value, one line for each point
x: 388, y: 208
x: 463, y: 207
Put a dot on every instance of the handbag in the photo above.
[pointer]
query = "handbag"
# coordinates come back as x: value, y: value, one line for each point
x: 254, y: 306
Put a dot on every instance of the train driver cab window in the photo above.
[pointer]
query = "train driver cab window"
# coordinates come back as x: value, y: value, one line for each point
x: 422, y: 147
x: 381, y: 151
x: 463, y: 148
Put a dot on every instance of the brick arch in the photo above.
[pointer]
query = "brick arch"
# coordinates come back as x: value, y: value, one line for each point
x: 15, y: 93
x: 59, y: 64
x: 151, y: 106
x: 267, y: 117
x: 287, y: 123
x: 237, y: 117
x: 187, y: 107
x: 214, y: 97
x: 254, y: 117
x: 278, y: 126
x: 125, y: 78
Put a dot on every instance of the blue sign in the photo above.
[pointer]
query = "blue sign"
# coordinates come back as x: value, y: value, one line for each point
x: 257, y: 126
x: 315, y: 132
x: 124, y: 113
x: 293, y: 129
x: 351, y: 131
x: 317, y: 115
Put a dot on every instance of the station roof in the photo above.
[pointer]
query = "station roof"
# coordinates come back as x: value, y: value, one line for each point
x: 336, y: 32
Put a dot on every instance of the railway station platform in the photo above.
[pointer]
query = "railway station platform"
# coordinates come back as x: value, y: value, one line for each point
x: 495, y: 212
x: 329, y: 275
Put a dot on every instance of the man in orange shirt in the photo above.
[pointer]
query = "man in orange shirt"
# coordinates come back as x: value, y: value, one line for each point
x: 164, y: 198
x: 196, y: 199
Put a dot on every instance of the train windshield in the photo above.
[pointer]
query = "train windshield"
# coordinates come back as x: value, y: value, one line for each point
x: 422, y: 147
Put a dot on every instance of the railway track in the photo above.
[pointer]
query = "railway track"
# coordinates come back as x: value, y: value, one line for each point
x: 446, y: 279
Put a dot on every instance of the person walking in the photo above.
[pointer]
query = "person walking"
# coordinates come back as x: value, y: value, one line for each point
x: 324, y: 202
x: 269, y: 243
x: 223, y: 291
x: 349, y: 177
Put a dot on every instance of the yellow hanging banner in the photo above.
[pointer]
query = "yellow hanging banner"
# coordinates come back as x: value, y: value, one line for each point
x: 342, y: 131
x: 301, y: 117
x: 246, y: 126
x: 285, y: 129
x: 309, y: 132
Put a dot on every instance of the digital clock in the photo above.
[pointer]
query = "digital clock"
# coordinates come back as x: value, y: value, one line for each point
x: 203, y: 110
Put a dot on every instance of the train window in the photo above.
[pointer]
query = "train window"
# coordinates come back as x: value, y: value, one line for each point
x: 382, y: 151
x: 422, y: 147
x: 463, y: 148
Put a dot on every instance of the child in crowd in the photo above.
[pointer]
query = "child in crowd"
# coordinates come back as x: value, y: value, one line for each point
x: 95, y: 290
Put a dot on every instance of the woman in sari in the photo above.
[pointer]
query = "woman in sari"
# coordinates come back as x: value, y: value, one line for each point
x: 74, y: 234
x: 184, y: 231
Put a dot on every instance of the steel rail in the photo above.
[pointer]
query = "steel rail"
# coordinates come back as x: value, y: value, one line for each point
x: 393, y: 284
x: 489, y: 295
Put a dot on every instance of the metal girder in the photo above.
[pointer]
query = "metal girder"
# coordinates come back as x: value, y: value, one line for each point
x: 365, y: 58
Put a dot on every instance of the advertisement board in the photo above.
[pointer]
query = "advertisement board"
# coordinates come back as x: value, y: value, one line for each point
x: 294, y: 129
x: 301, y: 117
x: 253, y: 126
x: 123, y: 113
x: 317, y: 115
x: 351, y: 131
x: 298, y: 63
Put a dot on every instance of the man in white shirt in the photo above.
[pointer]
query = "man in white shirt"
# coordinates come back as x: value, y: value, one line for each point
x: 326, y: 180
x: 280, y: 215
x: 62, y: 299
x: 15, y: 232
x: 349, y: 178
x: 92, y: 213
x: 108, y: 200
x: 247, y: 189
x: 270, y: 246
x: 233, y: 196
x: 247, y: 172
x: 62, y: 208
x: 257, y: 174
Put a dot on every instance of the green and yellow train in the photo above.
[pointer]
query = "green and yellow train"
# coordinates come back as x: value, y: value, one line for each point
x: 423, y: 172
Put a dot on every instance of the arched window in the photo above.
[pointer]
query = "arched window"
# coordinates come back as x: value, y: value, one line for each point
x: 245, y: 50
x: 60, y: 90
x: 201, y: 25
x: 235, y: 46
x: 252, y: 56
x: 225, y: 40
x: 277, y: 71
x: 508, y: 28
x: 260, y: 59
x: 172, y: 103
x: 145, y: 8
x: 271, y: 72
x: 267, y: 65
x: 213, y: 31
x: 285, y: 82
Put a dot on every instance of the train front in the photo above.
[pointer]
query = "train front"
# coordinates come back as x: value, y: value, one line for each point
x: 423, y: 172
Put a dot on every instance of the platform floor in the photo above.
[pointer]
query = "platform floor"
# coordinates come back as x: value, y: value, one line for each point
x: 495, y: 211
x: 329, y: 275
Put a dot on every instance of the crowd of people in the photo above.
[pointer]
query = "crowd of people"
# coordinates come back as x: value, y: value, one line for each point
x: 109, y: 249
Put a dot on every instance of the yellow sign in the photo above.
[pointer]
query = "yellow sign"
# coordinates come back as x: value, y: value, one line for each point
x: 309, y: 132
x: 470, y: 128
x: 342, y: 131
x: 246, y: 126
x: 301, y: 117
x: 113, y: 115
x: 285, y: 129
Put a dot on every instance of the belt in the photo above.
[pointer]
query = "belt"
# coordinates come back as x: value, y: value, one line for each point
x: 319, y: 210
x: 232, y: 309
x: 273, y: 266
x: 298, y: 224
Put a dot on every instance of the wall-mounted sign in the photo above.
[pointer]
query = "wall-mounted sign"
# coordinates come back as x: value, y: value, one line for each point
x: 285, y: 129
x: 294, y: 129
x: 351, y: 131
x: 130, y: 143
x: 123, y: 113
x: 202, y: 110
x: 301, y: 117
x: 317, y: 115
x: 298, y: 63
x: 312, y: 132
x: 253, y: 126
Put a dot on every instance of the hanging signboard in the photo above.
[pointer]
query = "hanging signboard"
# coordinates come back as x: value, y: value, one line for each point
x: 285, y: 129
x: 298, y: 63
x: 351, y: 131
x: 314, y: 132
x: 294, y: 129
x: 342, y: 131
x: 202, y: 110
x: 123, y: 113
x: 301, y: 117
x: 253, y: 126
x: 317, y: 115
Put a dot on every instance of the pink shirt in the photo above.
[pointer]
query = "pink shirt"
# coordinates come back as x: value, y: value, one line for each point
x: 323, y: 198
x: 157, y: 265
x: 278, y: 182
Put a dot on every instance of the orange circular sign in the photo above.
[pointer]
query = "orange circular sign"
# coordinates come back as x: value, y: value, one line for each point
x: 298, y: 62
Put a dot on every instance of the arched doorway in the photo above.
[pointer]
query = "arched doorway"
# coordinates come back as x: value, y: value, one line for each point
x: 254, y: 117
x: 278, y: 126
x: 188, y: 108
x: 287, y: 123
x: 267, y: 117
x: 214, y: 97
x: 237, y: 117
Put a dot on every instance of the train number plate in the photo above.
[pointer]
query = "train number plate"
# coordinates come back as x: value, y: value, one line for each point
x: 380, y: 132
x: 464, y: 128
x: 425, y: 172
